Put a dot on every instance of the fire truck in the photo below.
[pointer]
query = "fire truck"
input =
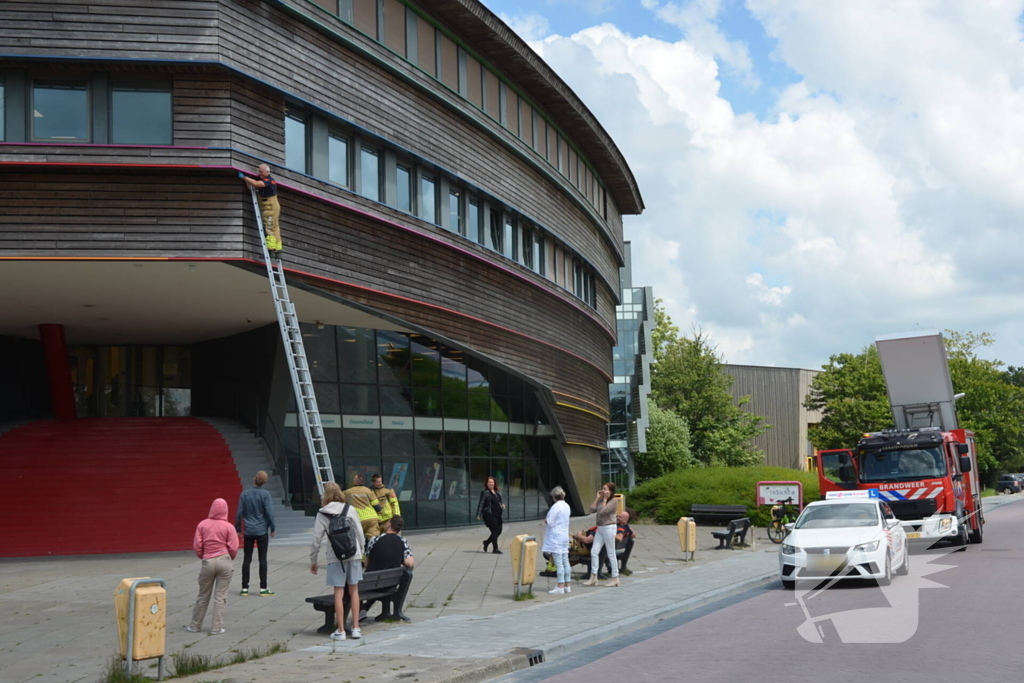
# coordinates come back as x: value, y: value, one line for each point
x: 927, y: 467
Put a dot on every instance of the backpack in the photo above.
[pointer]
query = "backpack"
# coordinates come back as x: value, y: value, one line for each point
x: 341, y: 535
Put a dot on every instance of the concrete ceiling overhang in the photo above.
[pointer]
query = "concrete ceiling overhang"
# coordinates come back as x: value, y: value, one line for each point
x: 152, y: 302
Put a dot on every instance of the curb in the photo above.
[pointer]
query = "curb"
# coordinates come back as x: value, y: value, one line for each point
x: 567, y: 646
x: 580, y: 641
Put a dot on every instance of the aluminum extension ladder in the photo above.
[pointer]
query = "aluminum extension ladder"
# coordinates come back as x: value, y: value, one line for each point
x: 298, y: 365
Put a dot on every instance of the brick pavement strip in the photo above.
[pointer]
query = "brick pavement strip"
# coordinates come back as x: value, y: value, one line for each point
x: 57, y: 620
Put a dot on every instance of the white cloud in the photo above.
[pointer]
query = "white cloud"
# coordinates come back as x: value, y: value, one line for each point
x: 530, y: 27
x: 884, y: 193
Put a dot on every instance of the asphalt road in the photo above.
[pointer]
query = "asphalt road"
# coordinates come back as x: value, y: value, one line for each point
x: 961, y: 622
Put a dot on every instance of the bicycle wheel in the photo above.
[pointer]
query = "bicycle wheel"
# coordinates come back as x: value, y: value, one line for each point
x: 776, y: 531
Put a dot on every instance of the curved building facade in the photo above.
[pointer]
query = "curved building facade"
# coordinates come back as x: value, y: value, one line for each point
x: 451, y: 219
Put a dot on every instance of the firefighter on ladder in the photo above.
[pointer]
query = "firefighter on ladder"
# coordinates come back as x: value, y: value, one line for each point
x: 270, y: 209
x: 364, y: 501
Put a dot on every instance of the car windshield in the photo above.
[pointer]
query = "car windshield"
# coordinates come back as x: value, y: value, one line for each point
x: 838, y: 516
x: 904, y: 465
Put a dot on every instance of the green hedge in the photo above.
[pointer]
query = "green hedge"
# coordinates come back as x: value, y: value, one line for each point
x: 668, y: 498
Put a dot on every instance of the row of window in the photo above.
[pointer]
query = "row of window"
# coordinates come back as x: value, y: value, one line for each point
x: 95, y: 109
x: 409, y: 33
x: 393, y: 177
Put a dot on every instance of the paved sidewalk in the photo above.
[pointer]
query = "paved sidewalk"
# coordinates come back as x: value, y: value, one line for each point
x: 57, y: 618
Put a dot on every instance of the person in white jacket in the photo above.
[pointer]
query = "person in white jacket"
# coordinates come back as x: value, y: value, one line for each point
x: 556, y: 540
x: 339, y: 574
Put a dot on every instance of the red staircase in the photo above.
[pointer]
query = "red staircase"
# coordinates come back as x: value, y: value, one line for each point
x: 110, y: 485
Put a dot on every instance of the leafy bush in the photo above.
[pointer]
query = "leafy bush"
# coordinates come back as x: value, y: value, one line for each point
x: 668, y: 498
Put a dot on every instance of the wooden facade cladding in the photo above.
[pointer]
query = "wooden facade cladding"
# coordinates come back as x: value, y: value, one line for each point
x: 182, y: 212
x: 312, y: 67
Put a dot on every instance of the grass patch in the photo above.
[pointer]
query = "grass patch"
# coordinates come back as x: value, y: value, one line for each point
x: 985, y: 493
x: 114, y: 673
x: 257, y: 652
x: 523, y: 596
x: 668, y: 498
x: 188, y: 663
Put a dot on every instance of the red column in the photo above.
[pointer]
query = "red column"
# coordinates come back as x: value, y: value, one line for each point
x: 55, y: 349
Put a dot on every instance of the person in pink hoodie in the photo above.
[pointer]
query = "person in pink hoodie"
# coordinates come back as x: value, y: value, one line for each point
x: 216, y: 544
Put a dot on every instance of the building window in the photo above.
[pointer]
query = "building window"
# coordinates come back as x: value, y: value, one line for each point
x: 497, y: 233
x: 538, y: 253
x: 455, y: 211
x: 528, y: 248
x: 511, y: 240
x: 295, y: 142
x: 404, y: 188
x: 141, y: 114
x: 3, y: 112
x: 369, y: 173
x: 60, y: 110
x: 428, y: 199
x: 337, y: 159
x: 474, y: 228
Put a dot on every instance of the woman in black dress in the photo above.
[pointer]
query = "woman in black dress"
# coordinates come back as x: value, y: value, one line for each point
x: 490, y: 509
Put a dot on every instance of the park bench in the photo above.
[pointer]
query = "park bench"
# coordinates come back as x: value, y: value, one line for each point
x: 737, y: 532
x: 722, y: 513
x: 390, y: 586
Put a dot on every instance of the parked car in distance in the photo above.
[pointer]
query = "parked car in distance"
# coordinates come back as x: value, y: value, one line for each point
x: 1008, y: 484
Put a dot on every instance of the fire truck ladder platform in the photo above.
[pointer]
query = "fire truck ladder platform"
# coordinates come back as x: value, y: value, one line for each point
x: 298, y: 365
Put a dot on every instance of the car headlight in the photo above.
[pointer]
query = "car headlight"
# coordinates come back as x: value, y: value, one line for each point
x: 867, y: 547
x: 945, y: 523
x: 789, y: 549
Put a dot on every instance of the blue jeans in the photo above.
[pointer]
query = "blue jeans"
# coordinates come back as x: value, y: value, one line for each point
x: 561, y: 561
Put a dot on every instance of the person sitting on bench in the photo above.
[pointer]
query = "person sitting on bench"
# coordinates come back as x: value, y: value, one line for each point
x: 390, y: 550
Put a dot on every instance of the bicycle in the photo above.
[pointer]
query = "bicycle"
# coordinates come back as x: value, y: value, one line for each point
x: 781, y: 516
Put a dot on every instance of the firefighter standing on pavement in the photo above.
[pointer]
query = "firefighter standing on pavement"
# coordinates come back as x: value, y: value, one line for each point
x: 386, y: 500
x: 270, y: 209
x: 364, y: 501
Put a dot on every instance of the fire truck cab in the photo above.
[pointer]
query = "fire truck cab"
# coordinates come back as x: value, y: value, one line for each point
x: 926, y: 468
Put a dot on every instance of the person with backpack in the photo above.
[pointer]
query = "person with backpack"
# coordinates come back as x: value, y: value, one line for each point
x: 339, y: 523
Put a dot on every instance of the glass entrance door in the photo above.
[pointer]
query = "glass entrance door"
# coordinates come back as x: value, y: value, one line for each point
x: 132, y: 381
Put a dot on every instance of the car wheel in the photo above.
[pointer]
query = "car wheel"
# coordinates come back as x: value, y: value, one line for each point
x: 905, y: 567
x: 887, y: 578
x: 788, y: 584
x: 1007, y: 490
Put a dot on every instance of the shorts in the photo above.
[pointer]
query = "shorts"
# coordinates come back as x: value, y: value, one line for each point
x: 345, y: 573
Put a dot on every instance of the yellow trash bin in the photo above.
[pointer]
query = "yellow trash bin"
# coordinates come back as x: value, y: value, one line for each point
x: 149, y: 617
x: 620, y: 503
x: 528, y: 564
x: 687, y: 535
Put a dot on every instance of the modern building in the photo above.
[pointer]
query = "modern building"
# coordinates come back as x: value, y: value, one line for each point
x: 452, y: 228
x: 631, y: 361
x: 778, y: 394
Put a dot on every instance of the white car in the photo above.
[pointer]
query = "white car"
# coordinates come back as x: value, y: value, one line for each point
x: 852, y: 537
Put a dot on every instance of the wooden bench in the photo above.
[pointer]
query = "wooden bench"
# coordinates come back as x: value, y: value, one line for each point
x: 390, y: 586
x: 737, y: 532
x: 724, y: 513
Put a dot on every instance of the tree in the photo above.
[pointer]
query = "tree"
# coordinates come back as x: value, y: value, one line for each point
x: 687, y: 379
x: 850, y: 394
x: 668, y: 445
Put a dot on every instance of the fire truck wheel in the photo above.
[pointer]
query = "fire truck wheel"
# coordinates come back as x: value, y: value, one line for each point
x: 887, y: 579
x: 978, y: 535
x: 962, y: 536
x: 788, y: 584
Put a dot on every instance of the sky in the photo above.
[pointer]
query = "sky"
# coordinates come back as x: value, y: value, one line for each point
x: 815, y: 173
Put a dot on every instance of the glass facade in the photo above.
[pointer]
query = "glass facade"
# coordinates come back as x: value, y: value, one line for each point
x: 295, y: 142
x: 627, y: 394
x: 432, y: 421
x: 132, y: 381
x: 141, y: 113
x: 60, y: 110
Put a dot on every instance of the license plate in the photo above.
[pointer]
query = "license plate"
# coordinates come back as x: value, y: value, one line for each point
x: 825, y: 562
x: 914, y: 535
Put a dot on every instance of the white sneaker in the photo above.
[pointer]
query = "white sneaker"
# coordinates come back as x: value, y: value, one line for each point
x: 567, y: 589
x: 557, y: 591
x: 338, y: 635
x: 357, y: 634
